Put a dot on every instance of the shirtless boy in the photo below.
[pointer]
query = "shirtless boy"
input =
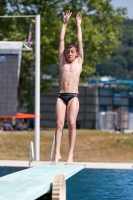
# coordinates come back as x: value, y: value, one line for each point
x: 67, y: 104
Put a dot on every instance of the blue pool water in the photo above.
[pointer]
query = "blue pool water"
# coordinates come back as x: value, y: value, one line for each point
x: 101, y: 184
x: 9, y: 170
x: 94, y: 184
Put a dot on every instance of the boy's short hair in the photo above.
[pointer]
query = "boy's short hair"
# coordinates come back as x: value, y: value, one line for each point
x: 70, y: 45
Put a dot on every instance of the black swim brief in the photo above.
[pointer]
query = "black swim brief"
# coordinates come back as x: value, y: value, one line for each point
x: 66, y: 97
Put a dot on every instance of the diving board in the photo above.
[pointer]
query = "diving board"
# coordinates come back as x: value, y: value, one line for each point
x: 33, y: 183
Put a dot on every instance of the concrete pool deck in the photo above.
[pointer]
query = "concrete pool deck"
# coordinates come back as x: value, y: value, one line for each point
x: 91, y: 165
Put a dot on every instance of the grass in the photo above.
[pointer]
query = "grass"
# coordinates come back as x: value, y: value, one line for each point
x: 90, y: 146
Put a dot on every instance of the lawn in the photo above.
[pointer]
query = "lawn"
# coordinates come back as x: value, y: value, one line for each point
x: 90, y: 146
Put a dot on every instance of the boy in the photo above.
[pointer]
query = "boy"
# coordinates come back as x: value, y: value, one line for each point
x: 67, y: 103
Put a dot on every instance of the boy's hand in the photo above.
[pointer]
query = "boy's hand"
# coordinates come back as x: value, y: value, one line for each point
x: 79, y: 18
x: 66, y: 16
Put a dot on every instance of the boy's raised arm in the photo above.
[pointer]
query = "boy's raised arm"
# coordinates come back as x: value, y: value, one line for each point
x: 66, y: 17
x: 79, y: 35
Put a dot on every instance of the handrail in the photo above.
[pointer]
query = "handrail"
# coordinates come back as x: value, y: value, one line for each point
x: 53, y: 145
x: 52, y: 149
x: 31, y: 154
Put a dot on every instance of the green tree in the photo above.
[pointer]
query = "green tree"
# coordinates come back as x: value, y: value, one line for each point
x: 100, y: 26
x: 123, y: 56
x: 112, y: 68
x: 127, y: 29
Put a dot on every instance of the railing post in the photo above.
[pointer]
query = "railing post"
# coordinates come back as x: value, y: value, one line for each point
x: 31, y: 153
x: 52, y: 149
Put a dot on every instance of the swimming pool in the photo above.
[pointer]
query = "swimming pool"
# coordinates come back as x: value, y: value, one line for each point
x: 9, y: 170
x: 101, y: 184
x: 94, y: 184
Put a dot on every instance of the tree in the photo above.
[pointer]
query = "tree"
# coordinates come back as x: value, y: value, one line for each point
x: 123, y: 56
x: 100, y: 26
x: 112, y: 68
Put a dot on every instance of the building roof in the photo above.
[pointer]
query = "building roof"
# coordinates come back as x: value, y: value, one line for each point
x: 17, y: 45
x: 5, y: 45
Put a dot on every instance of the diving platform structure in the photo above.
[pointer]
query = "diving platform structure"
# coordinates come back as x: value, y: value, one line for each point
x: 47, y: 181
x: 8, y: 45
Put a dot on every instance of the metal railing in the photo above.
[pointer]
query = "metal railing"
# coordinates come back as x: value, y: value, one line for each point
x: 53, y: 146
x: 52, y: 149
x: 31, y: 153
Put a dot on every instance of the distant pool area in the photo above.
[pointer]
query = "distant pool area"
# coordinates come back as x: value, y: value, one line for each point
x: 94, y: 184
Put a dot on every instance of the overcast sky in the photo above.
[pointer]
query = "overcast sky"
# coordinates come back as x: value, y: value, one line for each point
x: 124, y: 3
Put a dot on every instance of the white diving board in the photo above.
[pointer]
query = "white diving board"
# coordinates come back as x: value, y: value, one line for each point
x: 33, y: 183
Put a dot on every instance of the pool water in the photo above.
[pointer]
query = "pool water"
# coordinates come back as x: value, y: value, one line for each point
x: 9, y: 170
x: 101, y: 184
x: 94, y: 184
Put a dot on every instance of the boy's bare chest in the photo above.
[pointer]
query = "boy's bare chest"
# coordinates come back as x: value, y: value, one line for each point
x: 75, y: 66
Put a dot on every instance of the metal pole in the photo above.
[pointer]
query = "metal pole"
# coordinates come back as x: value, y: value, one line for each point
x: 37, y: 88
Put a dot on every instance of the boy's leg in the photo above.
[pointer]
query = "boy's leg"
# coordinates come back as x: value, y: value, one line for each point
x: 60, y: 117
x: 72, y: 111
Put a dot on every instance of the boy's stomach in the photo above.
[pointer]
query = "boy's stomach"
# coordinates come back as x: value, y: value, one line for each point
x: 69, y: 87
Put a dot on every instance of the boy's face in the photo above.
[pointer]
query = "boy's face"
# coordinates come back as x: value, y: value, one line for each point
x: 71, y: 54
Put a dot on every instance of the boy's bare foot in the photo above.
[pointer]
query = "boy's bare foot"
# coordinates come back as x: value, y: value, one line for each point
x: 56, y: 159
x: 69, y: 159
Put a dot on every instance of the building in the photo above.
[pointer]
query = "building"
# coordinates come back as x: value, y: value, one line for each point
x: 103, y: 105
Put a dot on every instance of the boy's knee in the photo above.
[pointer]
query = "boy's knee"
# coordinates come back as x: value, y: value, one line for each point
x: 72, y: 125
x: 59, y: 124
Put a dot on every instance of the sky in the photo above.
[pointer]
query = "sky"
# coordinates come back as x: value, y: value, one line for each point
x: 124, y: 3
